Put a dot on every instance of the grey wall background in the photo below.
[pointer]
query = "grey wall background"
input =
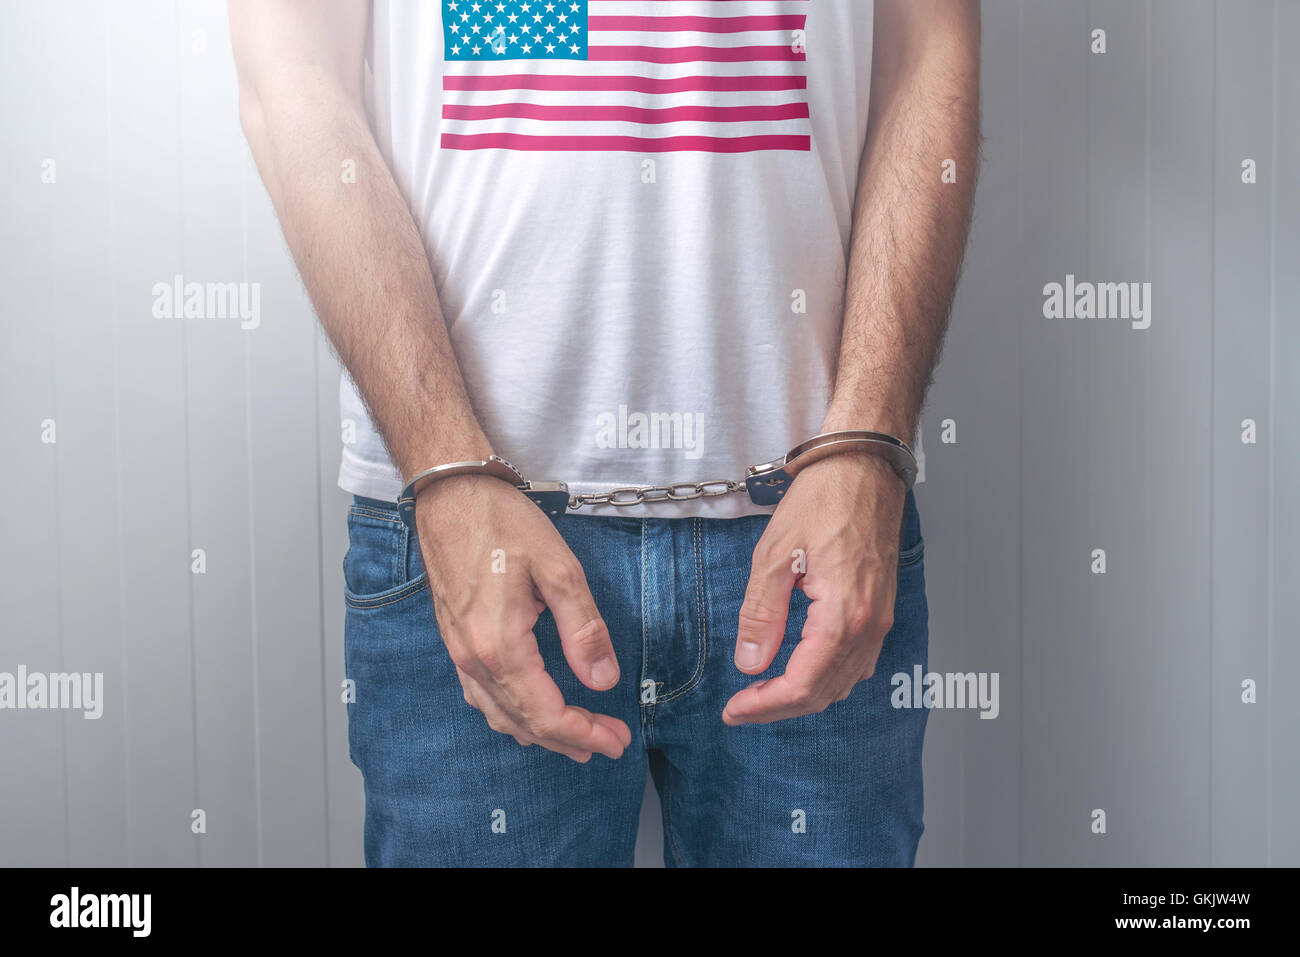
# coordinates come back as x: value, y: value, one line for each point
x: 1119, y: 691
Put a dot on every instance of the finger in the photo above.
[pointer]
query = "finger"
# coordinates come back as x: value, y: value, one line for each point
x: 764, y: 702
x: 807, y: 687
x: 533, y: 699
x: 513, y: 674
x: 620, y: 728
x: 862, y: 622
x: 583, y: 633
x: 764, y: 612
x: 477, y: 696
x: 579, y: 724
x: 478, y: 699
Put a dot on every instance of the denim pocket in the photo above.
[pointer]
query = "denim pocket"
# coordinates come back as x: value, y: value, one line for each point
x: 911, y: 546
x: 383, y: 563
x: 912, y: 555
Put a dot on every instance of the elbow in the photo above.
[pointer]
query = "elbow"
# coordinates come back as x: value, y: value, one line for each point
x: 249, y: 56
x: 252, y: 119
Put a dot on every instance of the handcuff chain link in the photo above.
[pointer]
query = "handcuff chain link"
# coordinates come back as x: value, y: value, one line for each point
x: 641, y: 494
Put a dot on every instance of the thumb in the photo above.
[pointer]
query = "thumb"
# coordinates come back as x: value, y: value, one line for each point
x: 584, y: 635
x: 764, y: 612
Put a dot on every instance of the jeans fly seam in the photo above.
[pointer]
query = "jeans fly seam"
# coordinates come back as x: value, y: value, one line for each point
x: 647, y: 708
x: 701, y: 625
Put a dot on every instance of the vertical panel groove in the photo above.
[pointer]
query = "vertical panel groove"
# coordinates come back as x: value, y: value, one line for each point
x: 59, y: 589
x: 252, y: 531
x: 320, y: 595
x: 1147, y: 619
x: 189, y: 458
x: 1020, y: 372
x: 117, y: 429
x: 1214, y: 316
x: 1273, y: 173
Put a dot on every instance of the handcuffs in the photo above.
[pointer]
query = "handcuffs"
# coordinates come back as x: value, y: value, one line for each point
x: 765, y: 483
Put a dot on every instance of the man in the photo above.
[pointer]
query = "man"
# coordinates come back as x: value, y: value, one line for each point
x: 624, y: 245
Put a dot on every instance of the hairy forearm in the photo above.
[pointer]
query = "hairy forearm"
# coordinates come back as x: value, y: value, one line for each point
x: 363, y: 263
x: 910, y: 224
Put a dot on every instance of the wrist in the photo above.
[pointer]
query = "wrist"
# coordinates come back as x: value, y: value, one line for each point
x: 467, y: 446
x: 841, y: 417
x: 441, y: 482
x: 860, y: 468
x: 451, y: 497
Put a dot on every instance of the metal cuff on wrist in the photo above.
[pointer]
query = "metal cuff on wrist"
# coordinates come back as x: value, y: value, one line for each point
x: 765, y: 483
x: 552, y: 497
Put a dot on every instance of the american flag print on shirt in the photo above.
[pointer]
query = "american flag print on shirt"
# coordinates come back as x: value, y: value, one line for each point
x: 714, y: 76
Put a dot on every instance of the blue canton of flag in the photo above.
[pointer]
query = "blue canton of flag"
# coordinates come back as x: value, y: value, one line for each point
x: 515, y: 29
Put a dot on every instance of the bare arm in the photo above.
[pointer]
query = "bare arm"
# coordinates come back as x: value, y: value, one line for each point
x: 909, y: 225
x: 361, y: 257
x: 909, y: 232
x: 356, y: 244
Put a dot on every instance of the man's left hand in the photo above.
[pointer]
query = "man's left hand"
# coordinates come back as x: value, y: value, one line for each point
x: 835, y: 536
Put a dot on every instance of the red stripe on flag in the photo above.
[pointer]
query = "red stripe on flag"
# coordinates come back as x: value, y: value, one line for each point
x: 792, y: 21
x: 634, y: 144
x: 638, y: 84
x: 693, y: 54
x: 627, y: 114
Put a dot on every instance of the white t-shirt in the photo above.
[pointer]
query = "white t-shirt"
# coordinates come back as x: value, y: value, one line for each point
x: 639, y: 232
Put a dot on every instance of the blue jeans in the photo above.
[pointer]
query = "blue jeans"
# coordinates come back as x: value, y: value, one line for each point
x: 842, y: 787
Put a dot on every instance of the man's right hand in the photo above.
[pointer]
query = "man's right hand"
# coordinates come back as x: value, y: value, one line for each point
x: 301, y: 104
x: 495, y: 562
